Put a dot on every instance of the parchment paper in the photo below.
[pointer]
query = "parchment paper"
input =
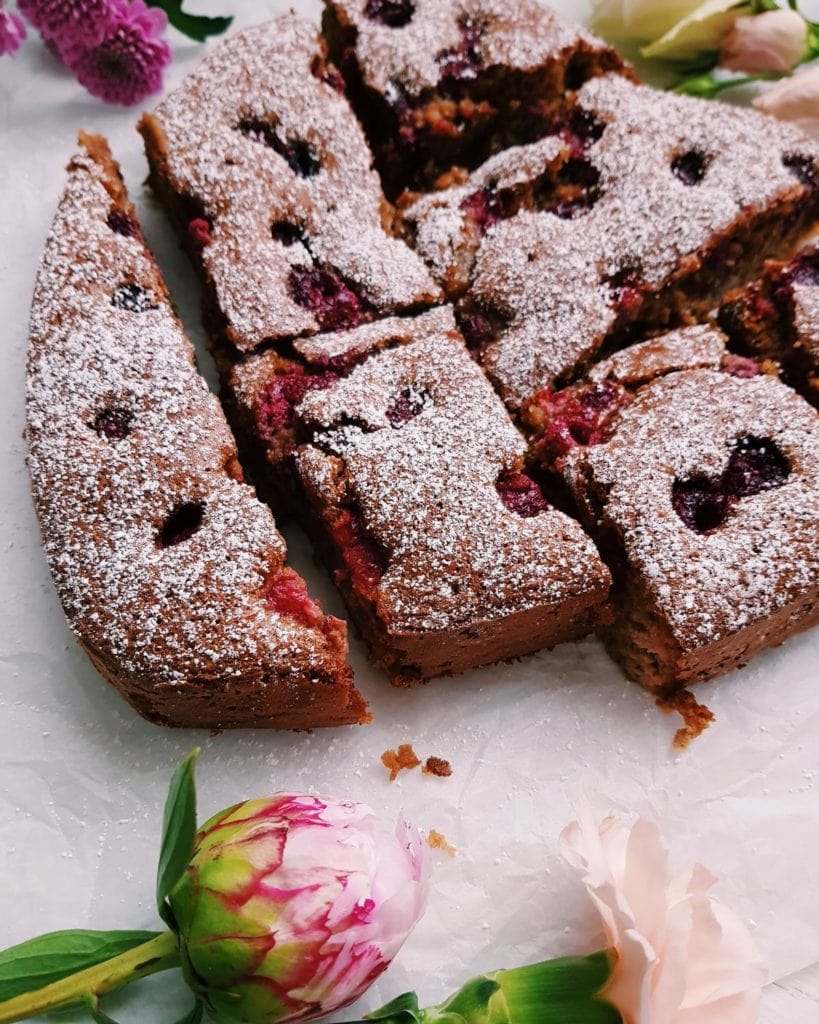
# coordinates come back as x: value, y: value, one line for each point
x: 83, y: 778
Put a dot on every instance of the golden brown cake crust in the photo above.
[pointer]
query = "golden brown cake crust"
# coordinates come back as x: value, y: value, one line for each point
x: 170, y: 572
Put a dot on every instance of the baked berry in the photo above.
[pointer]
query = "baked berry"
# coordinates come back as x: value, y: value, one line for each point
x: 740, y: 366
x: 464, y: 61
x: 393, y: 13
x: 335, y: 305
x: 485, y: 208
x: 804, y: 270
x: 756, y: 465
x: 700, y: 503
x: 286, y: 593
x: 296, y: 152
x: 283, y: 394
x: 181, y: 524
x: 133, y: 298
x: 577, y: 417
x: 521, y: 495
x: 803, y: 167
x: 199, y: 231
x: 624, y: 290
x: 114, y: 424
x: 690, y: 167
x: 478, y: 330
x: 123, y: 224
x: 409, y: 403
x: 364, y: 559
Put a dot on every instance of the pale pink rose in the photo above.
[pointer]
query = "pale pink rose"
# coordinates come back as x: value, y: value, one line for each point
x: 795, y: 99
x: 773, y: 41
x: 682, y: 958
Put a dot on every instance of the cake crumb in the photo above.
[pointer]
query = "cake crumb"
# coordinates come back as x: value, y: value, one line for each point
x: 397, y: 760
x: 697, y: 717
x: 438, y: 842
x: 437, y: 766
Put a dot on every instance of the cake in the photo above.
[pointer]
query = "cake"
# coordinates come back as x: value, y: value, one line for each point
x: 267, y: 176
x: 441, y: 84
x: 777, y: 318
x: 171, y: 573
x: 634, y: 218
x: 445, y: 551
x: 703, y: 499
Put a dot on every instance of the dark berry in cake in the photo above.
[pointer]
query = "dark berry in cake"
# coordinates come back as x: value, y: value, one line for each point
x: 133, y: 298
x: 478, y: 331
x: 485, y: 208
x: 690, y: 167
x: 625, y: 291
x: 521, y: 495
x: 123, y: 224
x: 365, y: 561
x: 756, y: 465
x: 335, y: 305
x: 181, y: 524
x: 803, y: 167
x: 577, y: 416
x: 463, y: 61
x: 409, y: 403
x: 394, y: 13
x: 298, y: 154
x: 805, y: 269
x: 114, y: 423
x: 199, y: 231
x: 700, y: 503
x: 283, y: 394
x: 579, y: 130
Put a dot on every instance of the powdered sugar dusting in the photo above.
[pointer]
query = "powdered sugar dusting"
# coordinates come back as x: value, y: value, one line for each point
x: 690, y: 348
x: 264, y: 75
x: 806, y: 319
x: 765, y: 556
x: 427, y: 491
x: 159, y: 617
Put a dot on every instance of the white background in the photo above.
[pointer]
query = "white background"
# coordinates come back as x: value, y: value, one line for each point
x: 83, y: 779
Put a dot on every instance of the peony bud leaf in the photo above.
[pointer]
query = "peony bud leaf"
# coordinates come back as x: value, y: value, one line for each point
x: 39, y: 962
x: 178, y: 834
x: 194, y: 26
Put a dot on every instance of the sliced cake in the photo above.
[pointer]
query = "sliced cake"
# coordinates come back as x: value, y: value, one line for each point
x: 636, y: 215
x: 446, y: 552
x: 171, y: 573
x: 268, y: 178
x: 439, y: 83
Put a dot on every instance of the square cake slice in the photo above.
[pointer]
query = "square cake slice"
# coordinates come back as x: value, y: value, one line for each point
x: 267, y: 175
x: 777, y: 318
x: 439, y: 83
x: 636, y: 216
x: 445, y: 551
x: 705, y: 501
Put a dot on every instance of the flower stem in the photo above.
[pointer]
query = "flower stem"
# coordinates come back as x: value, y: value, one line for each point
x: 160, y: 954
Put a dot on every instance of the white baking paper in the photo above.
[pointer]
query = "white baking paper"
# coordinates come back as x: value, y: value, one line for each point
x: 83, y: 778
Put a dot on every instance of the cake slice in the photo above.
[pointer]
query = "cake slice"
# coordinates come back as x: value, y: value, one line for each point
x: 704, y: 499
x: 777, y: 318
x: 439, y: 84
x: 635, y: 216
x: 171, y: 573
x: 267, y: 175
x: 445, y: 551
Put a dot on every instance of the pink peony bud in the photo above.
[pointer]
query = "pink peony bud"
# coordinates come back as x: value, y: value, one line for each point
x: 12, y: 33
x: 794, y: 99
x: 292, y: 906
x: 773, y: 41
x: 681, y: 957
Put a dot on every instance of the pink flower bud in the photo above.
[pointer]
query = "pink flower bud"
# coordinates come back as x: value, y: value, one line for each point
x: 292, y: 906
x: 795, y: 99
x: 773, y: 41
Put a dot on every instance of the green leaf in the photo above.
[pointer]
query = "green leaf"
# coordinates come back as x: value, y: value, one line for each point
x: 178, y: 833
x: 566, y: 991
x: 38, y: 962
x: 195, y: 26
x: 403, y: 1008
x: 195, y: 1016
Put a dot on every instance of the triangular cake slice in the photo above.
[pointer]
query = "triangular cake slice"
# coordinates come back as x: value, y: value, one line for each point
x: 171, y: 573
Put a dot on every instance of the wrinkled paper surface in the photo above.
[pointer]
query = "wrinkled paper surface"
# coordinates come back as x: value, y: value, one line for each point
x: 83, y: 778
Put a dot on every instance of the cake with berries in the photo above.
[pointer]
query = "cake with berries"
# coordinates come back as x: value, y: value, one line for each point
x: 703, y: 498
x: 441, y: 84
x: 634, y: 217
x: 445, y: 550
x: 171, y: 573
x: 267, y: 175
x: 777, y: 318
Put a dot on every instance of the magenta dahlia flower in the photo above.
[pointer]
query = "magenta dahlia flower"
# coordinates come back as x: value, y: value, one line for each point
x: 12, y: 33
x: 70, y: 25
x: 127, y: 65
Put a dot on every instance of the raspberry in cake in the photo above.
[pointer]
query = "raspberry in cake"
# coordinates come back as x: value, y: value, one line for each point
x: 446, y: 552
x: 590, y: 245
x: 267, y: 176
x: 705, y: 501
x: 171, y: 573
x: 777, y: 318
x: 439, y: 84
x: 583, y: 414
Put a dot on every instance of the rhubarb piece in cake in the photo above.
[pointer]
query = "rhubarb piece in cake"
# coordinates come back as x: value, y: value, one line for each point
x: 440, y: 83
x: 263, y: 391
x: 584, y: 413
x: 445, y: 551
x: 635, y: 219
x: 705, y: 501
x: 171, y: 573
x: 777, y: 318
x: 267, y: 176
